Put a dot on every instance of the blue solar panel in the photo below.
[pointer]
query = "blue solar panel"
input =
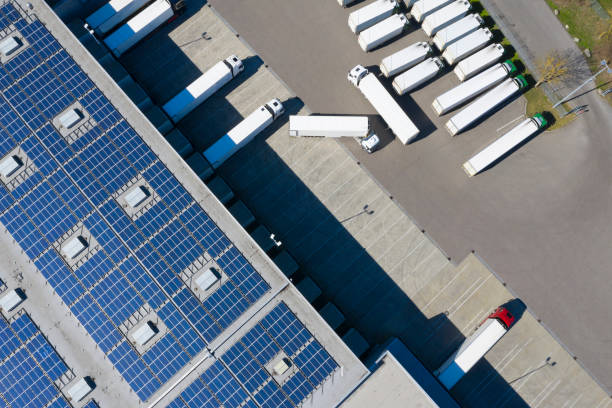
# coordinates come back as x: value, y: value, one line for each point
x: 29, y: 365
x: 279, y: 330
x: 59, y: 276
x: 54, y: 143
x: 74, y: 180
x: 215, y: 388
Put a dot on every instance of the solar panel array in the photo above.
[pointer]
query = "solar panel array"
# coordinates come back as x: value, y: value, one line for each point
x: 71, y: 184
x: 278, y: 333
x: 30, y: 368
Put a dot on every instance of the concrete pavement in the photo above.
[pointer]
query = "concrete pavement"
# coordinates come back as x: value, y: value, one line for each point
x: 535, y: 218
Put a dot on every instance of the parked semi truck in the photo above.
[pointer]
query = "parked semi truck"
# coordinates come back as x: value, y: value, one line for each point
x: 471, y: 88
x: 371, y: 14
x: 445, y: 16
x: 475, y: 63
x: 139, y: 26
x: 397, y: 120
x: 417, y: 75
x: 490, y: 331
x: 382, y: 32
x: 466, y: 46
x: 404, y: 59
x: 345, y: 3
x: 243, y: 132
x: 202, y: 88
x: 504, y: 144
x: 112, y: 14
x: 457, y: 30
x: 423, y: 8
x: 329, y: 126
x: 484, y: 104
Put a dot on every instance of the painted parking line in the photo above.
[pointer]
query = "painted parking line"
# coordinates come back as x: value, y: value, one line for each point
x: 468, y: 295
x: 450, y: 282
x: 546, y: 391
x: 501, y: 365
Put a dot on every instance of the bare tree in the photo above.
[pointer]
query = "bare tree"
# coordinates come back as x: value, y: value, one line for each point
x: 565, y: 67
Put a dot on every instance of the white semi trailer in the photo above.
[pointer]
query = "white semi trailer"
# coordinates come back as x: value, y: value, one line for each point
x: 475, y: 63
x: 466, y: 46
x: 139, y: 26
x: 475, y: 347
x: 243, y: 132
x: 504, y: 144
x: 404, y: 59
x: 371, y: 14
x: 202, y: 88
x: 457, y: 30
x: 423, y: 8
x: 329, y: 126
x: 397, y: 120
x: 417, y: 75
x: 112, y: 14
x: 382, y: 32
x: 446, y: 16
x: 471, y: 88
x: 484, y: 104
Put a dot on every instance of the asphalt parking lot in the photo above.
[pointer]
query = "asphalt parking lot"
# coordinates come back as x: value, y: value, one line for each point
x: 535, y: 218
x: 386, y: 276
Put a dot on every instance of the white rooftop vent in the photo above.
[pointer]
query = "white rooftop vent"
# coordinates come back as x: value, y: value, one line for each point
x: 11, y: 300
x: 135, y: 197
x: 144, y: 333
x: 70, y: 118
x: 281, y: 367
x: 79, y: 390
x: 9, y: 45
x: 207, y: 279
x: 9, y: 165
x: 74, y: 247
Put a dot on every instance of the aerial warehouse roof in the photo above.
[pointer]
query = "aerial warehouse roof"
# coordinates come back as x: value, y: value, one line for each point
x: 109, y: 253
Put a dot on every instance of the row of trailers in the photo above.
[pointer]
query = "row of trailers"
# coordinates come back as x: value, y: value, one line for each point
x: 464, y: 45
x: 123, y: 23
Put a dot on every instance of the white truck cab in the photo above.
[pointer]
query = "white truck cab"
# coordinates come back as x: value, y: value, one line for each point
x: 370, y: 144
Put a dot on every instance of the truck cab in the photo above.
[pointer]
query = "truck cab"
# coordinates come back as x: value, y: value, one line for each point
x: 275, y: 107
x: 234, y: 64
x: 502, y: 315
x: 356, y: 74
x: 370, y: 144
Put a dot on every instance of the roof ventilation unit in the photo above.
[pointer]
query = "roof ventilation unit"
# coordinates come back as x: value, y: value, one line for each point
x: 80, y: 389
x: 11, y: 300
x: 206, y: 280
x: 9, y: 166
x: 9, y: 46
x: 135, y: 197
x: 74, y: 247
x: 282, y: 366
x: 143, y: 334
x: 70, y: 118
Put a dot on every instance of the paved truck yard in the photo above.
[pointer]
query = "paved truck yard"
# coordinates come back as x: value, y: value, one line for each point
x: 384, y: 274
x: 535, y: 218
